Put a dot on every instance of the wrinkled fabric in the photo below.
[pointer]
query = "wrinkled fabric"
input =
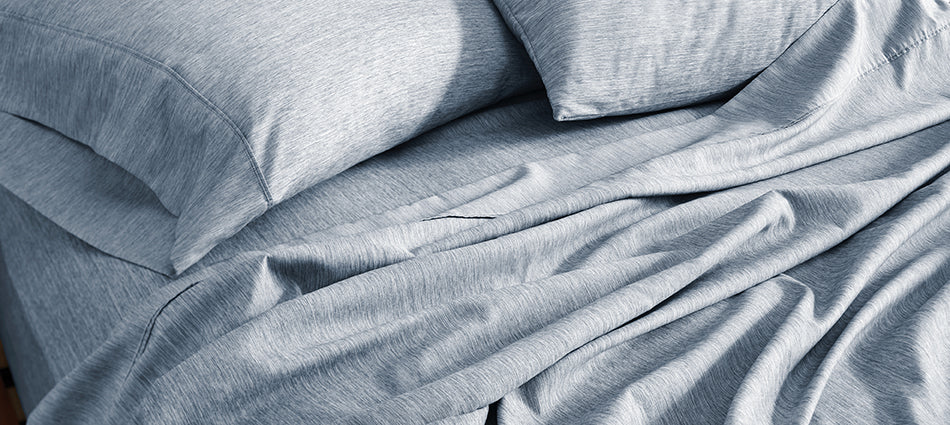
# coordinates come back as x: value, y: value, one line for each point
x: 60, y: 297
x: 779, y: 260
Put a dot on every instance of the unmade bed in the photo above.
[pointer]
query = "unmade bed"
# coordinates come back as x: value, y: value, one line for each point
x: 754, y: 245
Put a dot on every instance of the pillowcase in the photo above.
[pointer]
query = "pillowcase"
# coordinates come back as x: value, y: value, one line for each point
x: 223, y: 108
x: 616, y: 57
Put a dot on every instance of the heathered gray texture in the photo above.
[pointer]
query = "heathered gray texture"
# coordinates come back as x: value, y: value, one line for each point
x: 55, y: 283
x: 225, y: 108
x: 59, y: 297
x: 781, y: 259
x: 618, y: 57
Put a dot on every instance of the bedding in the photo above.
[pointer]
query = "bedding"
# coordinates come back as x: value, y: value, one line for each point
x: 224, y: 109
x: 778, y: 257
x: 61, y: 297
x: 615, y: 57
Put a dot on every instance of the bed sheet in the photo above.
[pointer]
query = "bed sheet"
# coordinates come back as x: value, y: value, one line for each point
x: 781, y: 259
x: 61, y: 297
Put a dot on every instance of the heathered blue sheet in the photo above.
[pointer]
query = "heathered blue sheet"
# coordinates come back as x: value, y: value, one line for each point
x: 782, y: 259
x: 61, y: 297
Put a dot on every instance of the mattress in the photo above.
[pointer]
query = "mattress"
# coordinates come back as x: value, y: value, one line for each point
x: 62, y: 297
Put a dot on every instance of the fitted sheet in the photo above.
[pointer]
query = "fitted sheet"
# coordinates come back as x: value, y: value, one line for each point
x: 61, y: 296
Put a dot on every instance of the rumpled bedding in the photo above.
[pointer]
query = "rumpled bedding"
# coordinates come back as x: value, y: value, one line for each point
x: 60, y: 297
x: 779, y: 260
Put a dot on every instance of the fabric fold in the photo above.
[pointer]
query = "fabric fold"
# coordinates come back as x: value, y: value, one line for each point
x: 785, y: 252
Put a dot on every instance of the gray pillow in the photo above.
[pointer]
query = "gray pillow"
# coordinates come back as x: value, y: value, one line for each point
x: 224, y: 108
x: 617, y: 57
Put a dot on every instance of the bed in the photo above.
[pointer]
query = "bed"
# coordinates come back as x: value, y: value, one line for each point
x: 494, y: 239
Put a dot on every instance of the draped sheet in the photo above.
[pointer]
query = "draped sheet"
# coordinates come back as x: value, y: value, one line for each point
x: 782, y: 259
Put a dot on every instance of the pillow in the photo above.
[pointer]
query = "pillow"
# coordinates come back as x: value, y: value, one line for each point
x: 223, y: 109
x: 615, y: 57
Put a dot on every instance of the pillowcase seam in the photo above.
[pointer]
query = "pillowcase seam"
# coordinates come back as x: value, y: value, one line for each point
x: 160, y: 66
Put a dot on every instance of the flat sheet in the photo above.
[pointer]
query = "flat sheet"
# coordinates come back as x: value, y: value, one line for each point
x: 780, y: 260
x: 61, y: 297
